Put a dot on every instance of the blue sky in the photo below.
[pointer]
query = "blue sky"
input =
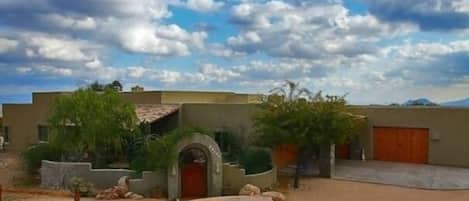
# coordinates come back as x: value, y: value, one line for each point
x: 377, y: 51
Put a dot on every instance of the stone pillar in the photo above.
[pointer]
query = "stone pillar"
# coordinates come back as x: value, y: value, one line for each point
x: 327, y: 160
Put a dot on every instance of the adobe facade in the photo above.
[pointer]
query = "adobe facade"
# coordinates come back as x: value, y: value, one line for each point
x: 24, y: 121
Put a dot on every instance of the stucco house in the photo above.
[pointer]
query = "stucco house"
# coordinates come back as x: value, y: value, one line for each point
x: 26, y: 124
x: 430, y: 135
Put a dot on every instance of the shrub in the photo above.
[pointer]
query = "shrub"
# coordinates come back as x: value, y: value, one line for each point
x: 255, y: 160
x: 86, y: 189
x: 158, y: 154
x: 230, y: 145
x: 33, y: 156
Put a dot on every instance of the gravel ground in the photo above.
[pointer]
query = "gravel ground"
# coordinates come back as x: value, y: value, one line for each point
x: 312, y: 189
x: 316, y: 189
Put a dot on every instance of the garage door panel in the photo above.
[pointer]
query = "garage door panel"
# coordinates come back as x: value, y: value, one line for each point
x: 401, y: 144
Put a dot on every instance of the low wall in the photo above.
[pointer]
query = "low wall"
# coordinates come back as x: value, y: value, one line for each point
x: 58, y: 174
x: 234, y: 178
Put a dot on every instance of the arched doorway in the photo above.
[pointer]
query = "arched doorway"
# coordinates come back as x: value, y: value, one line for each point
x: 193, y: 167
x: 213, y: 166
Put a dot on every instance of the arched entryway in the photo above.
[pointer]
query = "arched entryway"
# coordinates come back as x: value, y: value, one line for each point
x: 199, y: 144
x: 193, y: 167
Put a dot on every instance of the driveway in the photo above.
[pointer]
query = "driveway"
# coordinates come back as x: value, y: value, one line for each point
x: 404, y: 174
x: 317, y: 189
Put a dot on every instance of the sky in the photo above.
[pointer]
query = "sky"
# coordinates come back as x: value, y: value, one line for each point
x: 376, y: 51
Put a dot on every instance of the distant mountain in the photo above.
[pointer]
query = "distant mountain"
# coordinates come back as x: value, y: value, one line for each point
x: 419, y: 101
x: 457, y: 103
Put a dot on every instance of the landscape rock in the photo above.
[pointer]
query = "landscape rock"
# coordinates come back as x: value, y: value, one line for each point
x: 119, y: 191
x: 250, y: 190
x: 132, y: 195
x: 276, y: 196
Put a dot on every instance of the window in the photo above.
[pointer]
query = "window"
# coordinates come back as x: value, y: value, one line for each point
x: 43, y: 133
x: 5, y: 134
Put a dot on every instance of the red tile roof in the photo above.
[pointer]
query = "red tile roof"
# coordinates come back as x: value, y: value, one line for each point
x: 154, y: 112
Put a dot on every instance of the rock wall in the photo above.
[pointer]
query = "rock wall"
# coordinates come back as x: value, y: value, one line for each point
x: 234, y: 178
x: 57, y: 175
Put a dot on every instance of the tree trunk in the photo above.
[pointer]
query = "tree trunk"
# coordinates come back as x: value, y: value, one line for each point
x: 327, y: 160
x: 299, y: 160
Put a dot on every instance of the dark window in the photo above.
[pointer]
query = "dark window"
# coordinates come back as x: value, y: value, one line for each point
x: 5, y: 133
x: 43, y: 133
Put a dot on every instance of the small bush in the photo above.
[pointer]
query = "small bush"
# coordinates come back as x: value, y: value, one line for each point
x: 230, y: 145
x: 86, y: 189
x: 33, y: 156
x: 255, y: 160
x: 158, y: 154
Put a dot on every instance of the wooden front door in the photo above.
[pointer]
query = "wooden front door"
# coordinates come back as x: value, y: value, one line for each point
x: 193, y: 173
x: 400, y: 144
x: 194, y: 184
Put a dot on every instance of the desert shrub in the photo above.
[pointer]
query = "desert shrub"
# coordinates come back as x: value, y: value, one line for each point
x: 85, y: 188
x: 255, y: 160
x: 34, y: 154
x: 230, y: 144
x: 158, y: 154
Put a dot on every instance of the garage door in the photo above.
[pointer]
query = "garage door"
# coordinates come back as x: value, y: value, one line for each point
x: 401, y: 144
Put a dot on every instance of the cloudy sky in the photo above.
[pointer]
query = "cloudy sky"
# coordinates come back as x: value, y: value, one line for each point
x: 378, y: 51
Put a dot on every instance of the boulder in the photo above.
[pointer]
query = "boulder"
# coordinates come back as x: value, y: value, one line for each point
x: 250, y: 190
x: 115, y: 192
x: 134, y: 196
x: 123, y: 181
x: 276, y: 196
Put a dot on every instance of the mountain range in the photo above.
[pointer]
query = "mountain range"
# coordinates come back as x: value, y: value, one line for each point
x: 457, y: 103
x: 427, y: 102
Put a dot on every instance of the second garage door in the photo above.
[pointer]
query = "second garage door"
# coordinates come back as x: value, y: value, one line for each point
x: 401, y: 144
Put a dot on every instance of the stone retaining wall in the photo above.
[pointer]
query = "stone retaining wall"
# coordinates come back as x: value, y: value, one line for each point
x: 58, y: 174
x: 234, y: 178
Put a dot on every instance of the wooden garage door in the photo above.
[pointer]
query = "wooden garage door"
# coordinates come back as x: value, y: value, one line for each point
x: 401, y: 144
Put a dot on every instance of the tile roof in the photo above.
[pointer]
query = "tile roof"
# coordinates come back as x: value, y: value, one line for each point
x: 154, y: 112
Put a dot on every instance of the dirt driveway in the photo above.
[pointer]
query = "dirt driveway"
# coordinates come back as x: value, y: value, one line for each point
x: 11, y: 170
x: 316, y: 189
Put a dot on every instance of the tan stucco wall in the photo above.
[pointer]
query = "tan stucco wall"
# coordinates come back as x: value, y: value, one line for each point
x: 23, y: 119
x: 234, y: 178
x: 21, y: 125
x: 448, y: 127
x: 203, y: 97
x: 232, y: 117
x: 145, y: 97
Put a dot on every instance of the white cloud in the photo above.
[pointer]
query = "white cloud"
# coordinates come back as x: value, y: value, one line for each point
x: 7, y: 45
x: 83, y: 23
x: 52, y: 70
x: 54, y: 48
x: 312, y: 30
x: 204, y: 5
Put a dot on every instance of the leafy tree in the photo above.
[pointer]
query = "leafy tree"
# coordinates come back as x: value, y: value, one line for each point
x: 96, y: 86
x: 92, y: 123
x: 294, y: 115
x: 115, y: 85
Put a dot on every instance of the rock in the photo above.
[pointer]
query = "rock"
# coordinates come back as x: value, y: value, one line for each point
x: 112, y: 193
x: 132, y: 195
x: 250, y: 190
x: 119, y: 191
x: 123, y: 181
x: 107, y: 194
x: 276, y: 196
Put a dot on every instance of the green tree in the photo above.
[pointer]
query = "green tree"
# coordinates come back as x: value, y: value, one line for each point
x: 96, y: 86
x: 92, y: 123
x: 294, y: 115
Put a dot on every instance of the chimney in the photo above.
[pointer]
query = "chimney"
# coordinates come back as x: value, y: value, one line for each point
x: 137, y: 89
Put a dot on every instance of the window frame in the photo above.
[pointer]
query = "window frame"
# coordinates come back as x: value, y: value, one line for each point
x: 39, y: 129
x: 6, y: 134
